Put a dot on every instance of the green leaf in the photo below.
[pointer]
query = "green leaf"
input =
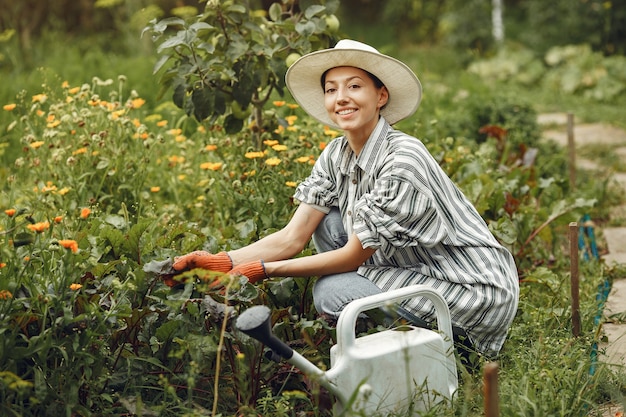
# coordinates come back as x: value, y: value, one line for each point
x: 305, y: 29
x: 203, y: 102
x: 232, y: 125
x: 313, y: 10
x: 180, y: 92
x: 275, y: 12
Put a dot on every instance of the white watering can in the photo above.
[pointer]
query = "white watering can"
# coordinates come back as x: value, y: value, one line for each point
x: 403, y: 370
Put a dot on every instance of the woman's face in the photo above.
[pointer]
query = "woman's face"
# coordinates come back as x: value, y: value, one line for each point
x: 352, y: 100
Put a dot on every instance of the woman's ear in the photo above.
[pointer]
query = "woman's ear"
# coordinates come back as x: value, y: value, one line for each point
x: 383, y: 97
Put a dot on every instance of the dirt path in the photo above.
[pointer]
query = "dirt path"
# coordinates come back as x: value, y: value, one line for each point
x: 613, y: 351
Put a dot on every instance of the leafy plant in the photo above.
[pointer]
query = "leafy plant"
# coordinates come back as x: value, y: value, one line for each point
x: 231, y: 59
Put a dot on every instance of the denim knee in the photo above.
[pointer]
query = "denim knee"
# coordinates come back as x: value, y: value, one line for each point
x: 330, y: 233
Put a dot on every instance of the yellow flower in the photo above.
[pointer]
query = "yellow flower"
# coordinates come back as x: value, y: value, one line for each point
x: 270, y: 142
x: 291, y: 119
x: 279, y: 148
x: 65, y: 84
x: 137, y: 102
x: 36, y: 144
x: 155, y: 189
x: 279, y: 130
x: 180, y: 138
x: 211, y: 166
x: 85, y: 212
x: 75, y: 287
x: 136, y: 122
x: 175, y: 132
x: 9, y: 107
x: 303, y: 159
x: 279, y: 103
x: 69, y: 244
x: 272, y: 162
x: 253, y: 154
x: 162, y: 123
x: 79, y: 151
x: 74, y: 90
x: 41, y: 98
x: 292, y: 106
x: 64, y: 191
x: 291, y: 184
x: 210, y: 147
x: 39, y: 227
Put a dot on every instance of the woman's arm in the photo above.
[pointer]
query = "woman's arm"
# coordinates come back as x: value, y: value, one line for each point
x: 345, y: 259
x: 285, y: 243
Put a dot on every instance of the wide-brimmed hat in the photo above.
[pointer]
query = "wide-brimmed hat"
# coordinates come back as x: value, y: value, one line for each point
x: 303, y: 79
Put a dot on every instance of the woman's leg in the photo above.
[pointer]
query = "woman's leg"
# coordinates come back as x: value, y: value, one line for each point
x: 331, y: 293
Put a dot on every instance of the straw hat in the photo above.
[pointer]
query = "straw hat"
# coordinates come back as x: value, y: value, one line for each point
x: 303, y: 79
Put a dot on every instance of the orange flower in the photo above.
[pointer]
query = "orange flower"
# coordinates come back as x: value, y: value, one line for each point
x: 10, y: 212
x: 211, y: 166
x: 5, y: 294
x: 69, y: 244
x: 36, y: 144
x: 253, y: 155
x: 85, y: 212
x: 3, y: 264
x: 272, y: 162
x: 39, y: 227
x: 75, y: 287
x: 137, y: 102
x: 279, y: 103
x: 58, y: 219
x: 9, y: 107
x: 155, y: 189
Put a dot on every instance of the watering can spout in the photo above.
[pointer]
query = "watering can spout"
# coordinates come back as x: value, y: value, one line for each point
x: 256, y: 323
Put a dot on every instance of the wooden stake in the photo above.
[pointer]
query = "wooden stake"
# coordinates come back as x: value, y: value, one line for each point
x: 573, y: 243
x: 571, y: 144
x: 490, y: 379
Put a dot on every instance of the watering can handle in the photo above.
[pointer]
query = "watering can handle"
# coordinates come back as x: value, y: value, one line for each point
x: 350, y: 313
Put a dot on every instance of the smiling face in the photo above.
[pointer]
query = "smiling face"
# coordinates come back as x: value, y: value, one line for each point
x: 353, y: 100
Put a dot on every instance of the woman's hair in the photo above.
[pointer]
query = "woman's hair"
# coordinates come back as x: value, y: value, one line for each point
x: 377, y: 82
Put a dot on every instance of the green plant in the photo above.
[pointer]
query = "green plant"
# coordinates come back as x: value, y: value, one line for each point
x: 231, y: 59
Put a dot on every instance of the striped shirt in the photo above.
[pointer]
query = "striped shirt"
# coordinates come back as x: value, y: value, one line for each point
x: 396, y: 198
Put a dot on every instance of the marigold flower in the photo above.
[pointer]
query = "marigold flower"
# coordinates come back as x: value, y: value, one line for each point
x: 322, y: 146
x: 58, y: 219
x: 272, y: 162
x: 69, y: 244
x: 75, y: 287
x: 279, y: 148
x: 210, y: 147
x: 211, y: 166
x: 79, y: 151
x: 5, y: 294
x: 180, y: 138
x: 9, y: 107
x: 3, y: 264
x: 136, y: 122
x: 63, y: 191
x: 254, y: 154
x: 10, y: 212
x: 65, y: 84
x: 155, y: 189
x: 292, y: 106
x: 41, y: 98
x: 137, y: 102
x: 73, y: 90
x: 38, y: 227
x: 279, y: 130
x: 36, y: 144
x: 85, y: 212
x: 279, y: 103
x: 291, y: 119
x: 291, y: 184
x: 162, y: 123
x: 174, y: 132
x: 303, y: 159
x: 270, y: 142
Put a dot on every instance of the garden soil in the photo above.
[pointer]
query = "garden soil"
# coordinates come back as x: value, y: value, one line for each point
x: 613, y: 351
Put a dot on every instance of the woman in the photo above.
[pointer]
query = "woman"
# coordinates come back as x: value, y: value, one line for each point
x: 381, y: 211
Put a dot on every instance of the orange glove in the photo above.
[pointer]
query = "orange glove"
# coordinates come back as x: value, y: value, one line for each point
x: 220, y: 262
x: 254, y: 271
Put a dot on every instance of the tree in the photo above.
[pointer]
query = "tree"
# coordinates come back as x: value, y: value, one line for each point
x: 229, y: 60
